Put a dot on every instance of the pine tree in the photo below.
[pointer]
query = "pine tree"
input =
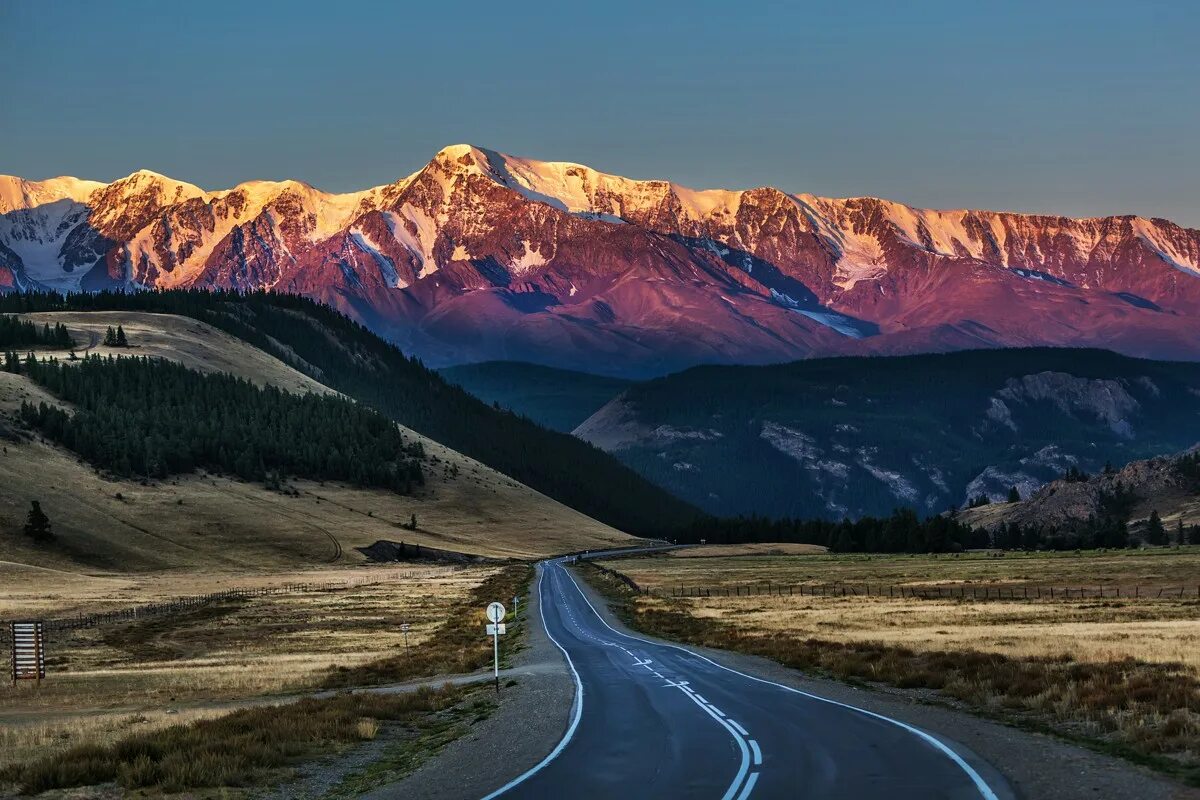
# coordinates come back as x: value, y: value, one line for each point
x: 110, y: 337
x: 1014, y: 495
x: 121, y: 340
x: 1179, y: 537
x: 37, y: 524
x: 1194, y: 534
x: 1155, y: 532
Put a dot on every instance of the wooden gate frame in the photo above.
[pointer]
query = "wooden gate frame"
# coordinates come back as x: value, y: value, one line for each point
x: 39, y: 650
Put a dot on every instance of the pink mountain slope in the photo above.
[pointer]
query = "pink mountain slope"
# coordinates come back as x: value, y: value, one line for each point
x: 483, y: 256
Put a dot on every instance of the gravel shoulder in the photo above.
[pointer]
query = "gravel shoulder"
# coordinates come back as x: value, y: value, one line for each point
x: 1034, y: 765
x: 530, y: 720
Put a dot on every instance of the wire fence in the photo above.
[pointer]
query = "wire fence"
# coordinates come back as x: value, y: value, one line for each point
x: 944, y: 592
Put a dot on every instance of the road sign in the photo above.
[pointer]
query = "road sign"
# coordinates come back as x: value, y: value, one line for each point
x: 404, y: 627
x: 28, y: 651
x: 495, y: 613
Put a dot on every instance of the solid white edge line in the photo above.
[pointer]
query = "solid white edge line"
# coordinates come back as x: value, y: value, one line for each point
x: 578, y: 704
x: 740, y: 729
x: 749, y: 786
x: 984, y: 790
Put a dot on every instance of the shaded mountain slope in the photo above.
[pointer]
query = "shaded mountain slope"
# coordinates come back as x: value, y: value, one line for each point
x: 854, y: 436
x: 558, y: 399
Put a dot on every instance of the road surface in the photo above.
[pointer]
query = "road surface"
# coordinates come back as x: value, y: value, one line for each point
x: 653, y: 720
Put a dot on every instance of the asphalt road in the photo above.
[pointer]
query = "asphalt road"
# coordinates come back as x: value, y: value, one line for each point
x: 654, y: 720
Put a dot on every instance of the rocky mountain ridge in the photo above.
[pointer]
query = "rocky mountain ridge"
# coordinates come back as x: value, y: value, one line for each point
x: 480, y: 256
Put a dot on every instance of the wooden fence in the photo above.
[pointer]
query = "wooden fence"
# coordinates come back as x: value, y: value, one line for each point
x: 955, y: 592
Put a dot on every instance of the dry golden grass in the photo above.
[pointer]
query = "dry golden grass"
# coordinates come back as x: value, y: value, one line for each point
x: 752, y: 549
x: 1162, y: 631
x: 199, y: 521
x: 250, y: 745
x: 1158, y: 567
x: 104, y: 682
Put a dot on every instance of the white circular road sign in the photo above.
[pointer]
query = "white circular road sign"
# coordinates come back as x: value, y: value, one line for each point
x: 495, y: 612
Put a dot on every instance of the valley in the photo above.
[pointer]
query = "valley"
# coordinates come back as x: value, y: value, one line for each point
x: 763, y: 401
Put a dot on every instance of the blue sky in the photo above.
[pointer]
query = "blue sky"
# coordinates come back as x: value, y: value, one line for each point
x: 1074, y: 107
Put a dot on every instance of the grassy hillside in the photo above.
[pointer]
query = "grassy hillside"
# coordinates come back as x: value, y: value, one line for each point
x: 210, y: 521
x: 558, y: 399
x: 853, y: 436
x: 345, y: 356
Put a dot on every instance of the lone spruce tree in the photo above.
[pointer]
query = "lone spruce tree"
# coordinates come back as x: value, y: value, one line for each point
x: 37, y: 524
x: 1014, y: 495
x: 121, y: 340
x: 1155, y: 532
x: 110, y: 337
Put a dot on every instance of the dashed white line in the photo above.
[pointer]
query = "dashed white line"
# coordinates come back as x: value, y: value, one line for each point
x: 756, y: 752
x: 739, y: 728
x: 981, y: 785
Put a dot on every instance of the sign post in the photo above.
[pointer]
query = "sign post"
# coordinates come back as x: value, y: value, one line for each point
x: 404, y: 627
x: 495, y: 614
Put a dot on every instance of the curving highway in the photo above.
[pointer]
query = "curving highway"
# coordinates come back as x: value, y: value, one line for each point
x: 654, y: 720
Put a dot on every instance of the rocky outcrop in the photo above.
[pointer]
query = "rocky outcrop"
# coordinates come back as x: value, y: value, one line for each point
x: 1149, y: 484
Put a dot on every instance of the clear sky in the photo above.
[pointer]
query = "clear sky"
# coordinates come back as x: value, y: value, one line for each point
x: 1080, y: 108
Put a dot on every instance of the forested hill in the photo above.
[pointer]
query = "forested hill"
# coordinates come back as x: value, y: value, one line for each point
x: 153, y: 418
x: 347, y: 357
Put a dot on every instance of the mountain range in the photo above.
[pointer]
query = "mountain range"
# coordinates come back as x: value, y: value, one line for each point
x: 484, y: 256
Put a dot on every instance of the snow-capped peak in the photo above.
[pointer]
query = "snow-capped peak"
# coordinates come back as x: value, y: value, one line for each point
x: 18, y: 193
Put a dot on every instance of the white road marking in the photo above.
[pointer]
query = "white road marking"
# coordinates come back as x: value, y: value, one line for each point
x: 756, y: 752
x: 981, y: 785
x: 731, y: 792
x: 575, y: 716
x: 740, y: 729
x: 753, y: 779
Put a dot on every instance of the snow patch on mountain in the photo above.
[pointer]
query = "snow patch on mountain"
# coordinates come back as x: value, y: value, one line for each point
x: 417, y: 233
x: 386, y: 268
x: 37, y: 234
x: 847, y: 326
x: 1157, y: 240
x: 530, y: 259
